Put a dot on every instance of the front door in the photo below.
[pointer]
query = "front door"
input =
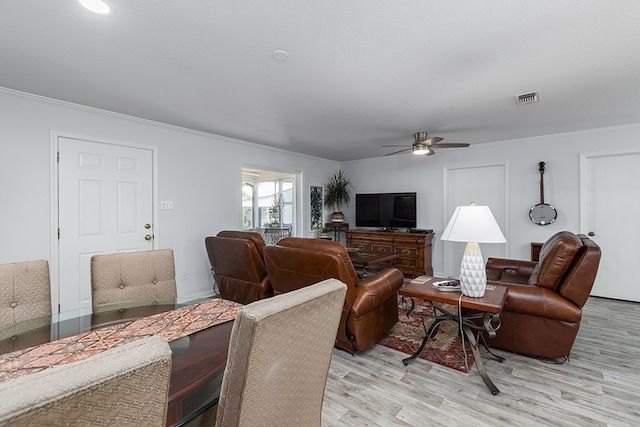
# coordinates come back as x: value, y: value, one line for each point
x: 105, y: 205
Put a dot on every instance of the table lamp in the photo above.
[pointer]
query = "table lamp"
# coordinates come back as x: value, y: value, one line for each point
x: 473, y: 224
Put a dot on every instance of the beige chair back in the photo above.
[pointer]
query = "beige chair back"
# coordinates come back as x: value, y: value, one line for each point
x: 279, y: 357
x: 118, y: 279
x: 123, y: 386
x: 25, y: 292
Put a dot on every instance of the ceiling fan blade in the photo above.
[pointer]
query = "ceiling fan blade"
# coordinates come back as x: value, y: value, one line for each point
x: 451, y: 145
x: 396, y: 152
x: 434, y: 140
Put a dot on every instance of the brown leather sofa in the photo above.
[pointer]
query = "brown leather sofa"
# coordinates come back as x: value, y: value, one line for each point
x: 371, y: 304
x: 545, y: 299
x: 238, y: 265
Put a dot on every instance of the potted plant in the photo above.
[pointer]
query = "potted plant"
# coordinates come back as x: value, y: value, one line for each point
x: 324, y: 233
x: 338, y: 193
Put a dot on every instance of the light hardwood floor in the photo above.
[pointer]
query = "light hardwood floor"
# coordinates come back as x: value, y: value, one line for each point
x: 598, y: 386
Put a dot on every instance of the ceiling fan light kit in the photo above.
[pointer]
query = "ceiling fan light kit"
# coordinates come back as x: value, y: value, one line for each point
x: 422, y: 145
x: 419, y: 148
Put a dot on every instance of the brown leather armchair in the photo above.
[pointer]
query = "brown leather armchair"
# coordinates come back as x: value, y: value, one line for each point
x: 545, y: 299
x: 371, y: 304
x: 237, y: 261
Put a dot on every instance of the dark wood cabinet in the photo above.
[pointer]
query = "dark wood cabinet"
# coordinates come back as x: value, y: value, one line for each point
x: 413, y: 249
x: 535, y: 250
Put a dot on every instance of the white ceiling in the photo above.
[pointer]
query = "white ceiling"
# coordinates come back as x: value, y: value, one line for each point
x: 359, y: 74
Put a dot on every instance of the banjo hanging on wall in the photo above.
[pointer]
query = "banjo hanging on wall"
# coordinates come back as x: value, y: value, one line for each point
x: 542, y: 213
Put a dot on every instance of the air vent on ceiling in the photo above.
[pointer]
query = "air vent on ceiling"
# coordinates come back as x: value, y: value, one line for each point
x: 528, y: 98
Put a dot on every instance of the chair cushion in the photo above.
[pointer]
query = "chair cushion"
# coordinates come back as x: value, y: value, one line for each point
x: 253, y: 236
x: 556, y: 257
x: 132, y: 276
x: 324, y: 246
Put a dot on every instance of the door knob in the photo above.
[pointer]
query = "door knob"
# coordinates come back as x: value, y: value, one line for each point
x: 148, y: 237
x: 147, y: 226
x: 591, y: 234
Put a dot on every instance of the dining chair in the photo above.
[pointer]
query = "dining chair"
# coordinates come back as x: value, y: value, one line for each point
x: 273, y: 234
x: 279, y: 356
x: 25, y: 292
x: 123, y: 386
x: 124, y: 278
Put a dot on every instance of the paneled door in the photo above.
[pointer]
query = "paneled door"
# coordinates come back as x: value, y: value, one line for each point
x: 485, y: 185
x: 105, y: 205
x: 610, y: 185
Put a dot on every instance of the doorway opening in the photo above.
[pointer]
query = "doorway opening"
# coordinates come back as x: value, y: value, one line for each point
x: 269, y: 202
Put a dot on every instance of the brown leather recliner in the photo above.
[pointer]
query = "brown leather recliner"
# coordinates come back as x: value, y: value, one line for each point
x: 238, y: 265
x: 545, y: 299
x: 371, y: 304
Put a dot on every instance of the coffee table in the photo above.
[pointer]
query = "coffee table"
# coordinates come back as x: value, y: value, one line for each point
x: 474, y: 315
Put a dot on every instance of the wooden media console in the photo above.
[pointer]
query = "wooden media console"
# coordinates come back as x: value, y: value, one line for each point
x: 413, y: 249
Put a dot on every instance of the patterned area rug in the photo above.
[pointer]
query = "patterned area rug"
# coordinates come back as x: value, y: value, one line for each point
x: 444, y: 349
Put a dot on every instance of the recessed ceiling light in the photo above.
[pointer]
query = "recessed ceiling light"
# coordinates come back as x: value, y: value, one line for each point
x: 96, y: 6
x: 280, y: 55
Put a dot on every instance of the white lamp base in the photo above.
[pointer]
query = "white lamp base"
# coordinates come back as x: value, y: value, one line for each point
x: 473, y: 277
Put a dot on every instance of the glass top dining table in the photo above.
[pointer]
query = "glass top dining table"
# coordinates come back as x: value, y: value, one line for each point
x: 198, y: 332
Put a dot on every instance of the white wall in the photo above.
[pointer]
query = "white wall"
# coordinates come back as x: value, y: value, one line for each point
x: 560, y: 152
x: 200, y: 173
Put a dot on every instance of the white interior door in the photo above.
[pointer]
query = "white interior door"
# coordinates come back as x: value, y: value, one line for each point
x: 610, y: 186
x: 105, y: 205
x: 485, y: 186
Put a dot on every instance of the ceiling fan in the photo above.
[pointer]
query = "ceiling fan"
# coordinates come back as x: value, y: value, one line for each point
x: 424, y: 145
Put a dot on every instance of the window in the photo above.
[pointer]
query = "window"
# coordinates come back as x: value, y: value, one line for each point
x: 268, y: 199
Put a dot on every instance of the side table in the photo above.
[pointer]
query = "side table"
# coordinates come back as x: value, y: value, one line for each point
x: 472, y: 314
x: 337, y: 227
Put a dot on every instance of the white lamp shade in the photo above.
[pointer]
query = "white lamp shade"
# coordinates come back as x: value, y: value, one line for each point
x: 473, y: 224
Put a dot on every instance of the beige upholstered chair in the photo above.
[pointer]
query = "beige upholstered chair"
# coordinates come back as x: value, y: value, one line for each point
x: 123, y: 386
x: 279, y: 357
x: 25, y: 305
x: 25, y: 292
x: 122, y: 278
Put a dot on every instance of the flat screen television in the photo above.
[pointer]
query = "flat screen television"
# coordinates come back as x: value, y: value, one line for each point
x: 386, y: 210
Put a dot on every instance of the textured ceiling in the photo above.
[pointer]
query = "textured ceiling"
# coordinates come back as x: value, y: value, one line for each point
x: 359, y: 74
